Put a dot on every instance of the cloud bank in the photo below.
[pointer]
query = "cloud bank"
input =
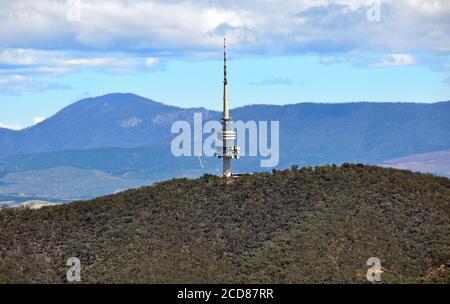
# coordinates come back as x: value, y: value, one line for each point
x: 254, y: 26
x: 123, y: 36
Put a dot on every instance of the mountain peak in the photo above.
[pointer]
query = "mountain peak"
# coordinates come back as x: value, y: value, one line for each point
x: 111, y: 120
x: 118, y: 98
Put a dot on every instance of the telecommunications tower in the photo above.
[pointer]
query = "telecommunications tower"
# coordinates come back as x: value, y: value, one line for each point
x: 228, y: 150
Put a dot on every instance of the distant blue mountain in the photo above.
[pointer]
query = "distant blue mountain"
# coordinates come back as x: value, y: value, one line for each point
x: 310, y: 132
x: 128, y: 136
x: 355, y: 132
x: 6, y: 137
x: 113, y: 120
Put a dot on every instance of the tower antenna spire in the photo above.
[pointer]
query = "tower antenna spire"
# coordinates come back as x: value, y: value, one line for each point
x: 224, y: 61
x: 226, y: 115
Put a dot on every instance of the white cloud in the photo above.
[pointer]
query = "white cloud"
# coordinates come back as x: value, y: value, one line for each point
x: 15, y: 84
x: 151, y: 61
x: 29, y: 61
x: 9, y: 126
x: 16, y: 127
x: 276, y: 82
x: 121, y: 36
x: 38, y: 119
x: 396, y: 60
x: 177, y: 26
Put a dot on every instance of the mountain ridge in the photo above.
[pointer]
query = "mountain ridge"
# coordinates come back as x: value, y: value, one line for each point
x: 135, y: 121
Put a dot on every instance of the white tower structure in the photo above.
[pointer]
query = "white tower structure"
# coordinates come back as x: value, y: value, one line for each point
x: 228, y: 150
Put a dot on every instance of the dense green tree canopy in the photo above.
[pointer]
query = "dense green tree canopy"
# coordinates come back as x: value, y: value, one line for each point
x: 303, y: 225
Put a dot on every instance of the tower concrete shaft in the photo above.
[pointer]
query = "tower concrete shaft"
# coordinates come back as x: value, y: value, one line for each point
x: 226, y: 114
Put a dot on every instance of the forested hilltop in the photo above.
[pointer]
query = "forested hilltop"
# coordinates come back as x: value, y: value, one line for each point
x: 303, y: 225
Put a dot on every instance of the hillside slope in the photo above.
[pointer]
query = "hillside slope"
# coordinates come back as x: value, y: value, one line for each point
x: 295, y: 226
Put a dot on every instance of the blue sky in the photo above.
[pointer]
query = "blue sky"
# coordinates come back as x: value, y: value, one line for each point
x: 279, y: 52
